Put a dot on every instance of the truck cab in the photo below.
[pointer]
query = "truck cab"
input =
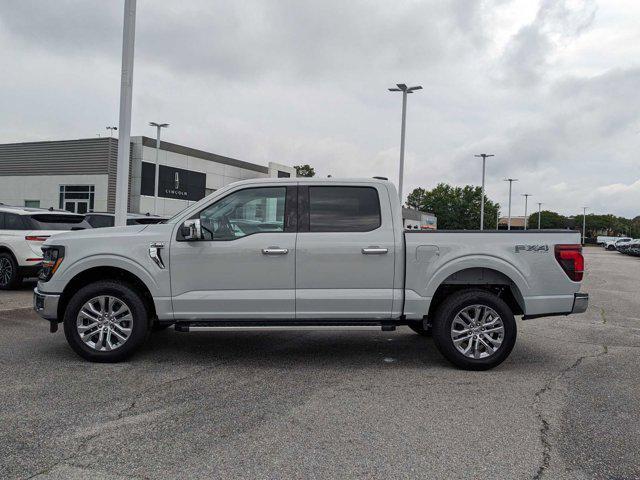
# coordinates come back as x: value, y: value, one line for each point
x: 277, y: 252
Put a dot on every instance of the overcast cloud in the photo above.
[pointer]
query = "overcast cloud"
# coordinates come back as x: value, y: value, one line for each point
x: 550, y: 87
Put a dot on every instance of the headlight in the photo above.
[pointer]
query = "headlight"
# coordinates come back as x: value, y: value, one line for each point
x: 52, y: 257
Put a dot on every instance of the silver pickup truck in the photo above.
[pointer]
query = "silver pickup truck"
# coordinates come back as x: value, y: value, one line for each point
x: 292, y: 252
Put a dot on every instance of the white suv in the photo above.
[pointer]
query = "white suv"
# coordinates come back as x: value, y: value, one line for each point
x: 22, y: 232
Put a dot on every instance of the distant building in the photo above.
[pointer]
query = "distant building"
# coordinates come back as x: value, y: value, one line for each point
x: 80, y: 175
x: 418, y: 220
x: 517, y: 223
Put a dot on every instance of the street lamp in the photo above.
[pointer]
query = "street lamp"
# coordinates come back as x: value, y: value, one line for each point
x: 526, y: 198
x: 405, y: 90
x: 510, y: 180
x: 111, y: 129
x: 124, y: 126
x: 584, y: 223
x: 498, y: 219
x: 484, y: 157
x: 539, y: 207
x: 156, y: 176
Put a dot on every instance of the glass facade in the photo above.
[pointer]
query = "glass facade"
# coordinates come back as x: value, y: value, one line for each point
x: 77, y: 198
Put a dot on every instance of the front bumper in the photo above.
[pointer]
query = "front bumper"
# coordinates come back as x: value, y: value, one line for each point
x: 46, y: 304
x: 580, y: 302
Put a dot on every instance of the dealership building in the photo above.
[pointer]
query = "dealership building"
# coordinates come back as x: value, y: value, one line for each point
x: 80, y: 175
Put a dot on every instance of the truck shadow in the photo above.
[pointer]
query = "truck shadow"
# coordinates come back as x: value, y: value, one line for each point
x: 309, y: 348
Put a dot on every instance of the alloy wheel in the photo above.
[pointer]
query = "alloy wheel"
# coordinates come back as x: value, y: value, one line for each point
x: 6, y: 271
x: 477, y: 331
x: 104, y: 323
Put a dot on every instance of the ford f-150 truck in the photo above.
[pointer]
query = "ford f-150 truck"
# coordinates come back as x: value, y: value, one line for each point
x: 274, y: 252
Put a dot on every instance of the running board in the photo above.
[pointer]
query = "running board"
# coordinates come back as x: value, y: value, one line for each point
x: 385, y: 325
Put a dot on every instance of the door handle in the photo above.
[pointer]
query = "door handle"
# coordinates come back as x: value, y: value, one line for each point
x: 274, y: 251
x: 374, y: 251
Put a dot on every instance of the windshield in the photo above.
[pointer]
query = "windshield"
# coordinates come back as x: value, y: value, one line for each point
x: 52, y: 221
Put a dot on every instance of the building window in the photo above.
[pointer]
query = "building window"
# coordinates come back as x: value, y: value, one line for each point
x: 282, y: 174
x: 77, y: 198
x: 32, y: 203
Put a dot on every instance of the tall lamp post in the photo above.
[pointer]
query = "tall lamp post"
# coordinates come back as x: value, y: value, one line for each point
x: 124, y: 126
x: 484, y: 157
x: 405, y: 91
x: 526, y: 198
x: 159, y: 126
x: 498, y: 219
x: 584, y: 223
x: 539, y: 208
x: 510, y: 180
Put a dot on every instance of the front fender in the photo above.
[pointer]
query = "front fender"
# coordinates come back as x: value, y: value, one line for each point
x: 63, y: 277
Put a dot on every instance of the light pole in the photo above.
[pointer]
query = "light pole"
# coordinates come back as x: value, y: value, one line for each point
x: 111, y: 129
x: 539, y: 207
x: 526, y: 198
x: 498, y: 220
x: 584, y: 223
x: 405, y: 90
x: 510, y: 180
x: 156, y: 175
x: 484, y: 157
x: 126, y: 89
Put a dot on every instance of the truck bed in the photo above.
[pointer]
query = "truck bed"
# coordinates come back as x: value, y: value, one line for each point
x: 523, y: 260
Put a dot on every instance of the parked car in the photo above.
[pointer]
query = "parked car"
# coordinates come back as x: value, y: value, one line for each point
x: 103, y: 219
x: 630, y: 248
x: 274, y: 252
x: 614, y: 245
x: 22, y: 233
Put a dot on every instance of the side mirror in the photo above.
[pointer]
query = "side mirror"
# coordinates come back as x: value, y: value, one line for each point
x: 191, y: 230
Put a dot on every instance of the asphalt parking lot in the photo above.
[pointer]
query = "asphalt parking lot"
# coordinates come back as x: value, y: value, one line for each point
x: 331, y: 404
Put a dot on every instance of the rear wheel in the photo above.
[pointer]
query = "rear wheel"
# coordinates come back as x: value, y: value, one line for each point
x: 9, y: 276
x: 106, y: 321
x: 474, y: 330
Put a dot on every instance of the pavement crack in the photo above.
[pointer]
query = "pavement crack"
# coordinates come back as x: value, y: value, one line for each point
x: 545, y: 424
x: 603, y: 316
x: 132, y: 404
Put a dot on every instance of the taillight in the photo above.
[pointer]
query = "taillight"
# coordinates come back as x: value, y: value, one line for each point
x: 36, y: 238
x: 571, y: 260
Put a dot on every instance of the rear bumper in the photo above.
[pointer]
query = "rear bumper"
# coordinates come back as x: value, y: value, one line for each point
x: 46, y: 304
x: 580, y: 302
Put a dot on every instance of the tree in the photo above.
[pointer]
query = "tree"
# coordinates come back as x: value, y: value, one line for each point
x: 305, y: 170
x: 455, y: 207
x: 549, y: 219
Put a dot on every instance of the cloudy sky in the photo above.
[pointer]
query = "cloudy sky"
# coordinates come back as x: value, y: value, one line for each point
x: 551, y: 87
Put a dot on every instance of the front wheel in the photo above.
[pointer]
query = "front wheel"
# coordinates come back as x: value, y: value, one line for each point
x: 106, y: 321
x: 474, y: 329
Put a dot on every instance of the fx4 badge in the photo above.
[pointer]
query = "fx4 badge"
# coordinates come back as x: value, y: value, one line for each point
x: 532, y: 248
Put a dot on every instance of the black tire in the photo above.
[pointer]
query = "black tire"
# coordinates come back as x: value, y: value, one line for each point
x: 9, y: 266
x: 139, y: 324
x: 418, y: 327
x: 447, y: 312
x: 610, y: 247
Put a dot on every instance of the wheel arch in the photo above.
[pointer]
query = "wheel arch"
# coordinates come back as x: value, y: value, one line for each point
x: 94, y: 274
x: 487, y: 278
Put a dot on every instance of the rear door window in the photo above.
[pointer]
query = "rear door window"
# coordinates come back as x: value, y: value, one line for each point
x: 52, y: 221
x: 14, y: 222
x: 343, y: 209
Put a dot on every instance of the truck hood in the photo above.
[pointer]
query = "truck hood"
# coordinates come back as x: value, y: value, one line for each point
x: 103, y: 234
